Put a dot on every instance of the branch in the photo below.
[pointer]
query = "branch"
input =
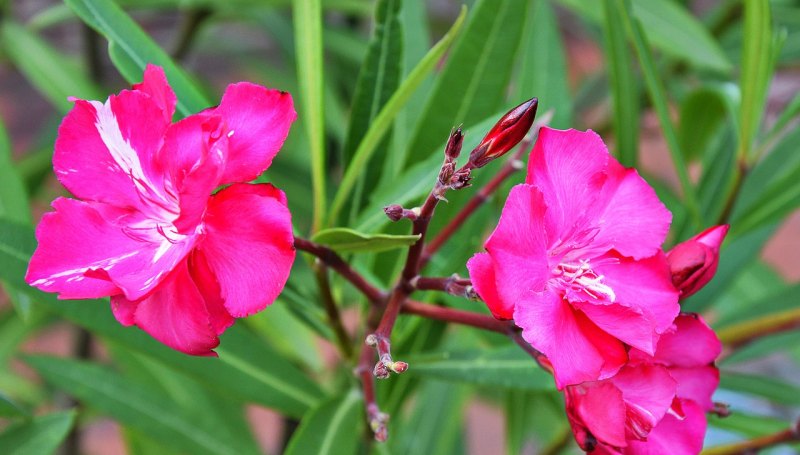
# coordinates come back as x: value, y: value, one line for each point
x: 737, y: 335
x: 453, y: 315
x: 334, y: 261
x: 757, y: 444
x: 331, y: 309
x: 453, y: 285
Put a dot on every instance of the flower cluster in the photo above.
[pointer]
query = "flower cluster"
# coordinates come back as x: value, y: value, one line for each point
x: 178, y: 260
x: 576, y: 262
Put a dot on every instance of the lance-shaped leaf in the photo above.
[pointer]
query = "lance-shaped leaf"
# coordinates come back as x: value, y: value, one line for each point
x: 345, y: 240
x: 41, y: 435
x: 331, y: 428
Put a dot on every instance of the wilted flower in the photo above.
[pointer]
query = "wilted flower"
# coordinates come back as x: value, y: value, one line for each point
x: 694, y: 262
x: 575, y: 259
x: 177, y: 261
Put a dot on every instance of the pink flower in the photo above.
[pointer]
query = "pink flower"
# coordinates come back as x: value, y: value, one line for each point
x: 655, y: 404
x: 575, y: 259
x: 694, y: 262
x: 177, y: 261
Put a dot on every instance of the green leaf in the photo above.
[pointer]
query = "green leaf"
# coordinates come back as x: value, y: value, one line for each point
x: 145, y: 409
x: 8, y: 408
x: 507, y: 367
x: 671, y: 28
x: 658, y: 96
x: 379, y: 75
x: 474, y: 80
x: 702, y: 114
x: 749, y: 425
x: 435, y: 424
x: 756, y: 72
x: 308, y: 43
x: 384, y: 119
x: 624, y: 86
x: 38, y: 436
x: 131, y: 49
x: 775, y: 390
x: 345, y: 240
x: 54, y: 75
x: 332, y: 428
x: 247, y: 368
x: 543, y: 66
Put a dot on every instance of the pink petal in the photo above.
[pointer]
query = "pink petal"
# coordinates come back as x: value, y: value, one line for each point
x: 154, y: 83
x: 713, y: 236
x: 518, y: 245
x: 568, y: 166
x: 692, y: 344
x: 249, y: 245
x: 599, y: 408
x: 481, y: 272
x: 176, y: 315
x: 193, y: 158
x: 697, y: 384
x: 648, y: 391
x: 578, y: 350
x: 89, y: 250
x: 104, y: 152
x: 674, y: 436
x: 208, y: 285
x: 646, y: 302
x: 259, y: 120
x: 634, y: 221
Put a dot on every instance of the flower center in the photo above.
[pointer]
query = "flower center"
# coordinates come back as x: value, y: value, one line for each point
x: 578, y: 280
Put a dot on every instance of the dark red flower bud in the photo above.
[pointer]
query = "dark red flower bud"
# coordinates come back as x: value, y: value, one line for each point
x: 454, y: 144
x: 505, y: 134
x: 694, y: 262
x: 397, y: 212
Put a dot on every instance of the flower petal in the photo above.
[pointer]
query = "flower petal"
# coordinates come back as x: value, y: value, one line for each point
x: 569, y: 167
x: 154, y: 83
x: 692, y: 344
x: 175, y: 314
x: 208, y: 285
x: 259, y: 120
x: 674, y: 436
x: 481, y: 272
x: 193, y: 158
x: 633, y: 220
x: 518, y: 245
x: 645, y: 287
x: 648, y: 391
x: 599, y: 408
x: 104, y: 152
x: 578, y: 350
x: 89, y: 250
x: 697, y: 384
x: 249, y: 245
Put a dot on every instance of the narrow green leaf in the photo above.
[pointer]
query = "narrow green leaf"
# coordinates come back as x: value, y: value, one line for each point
x: 790, y: 111
x: 624, y: 86
x: 8, y: 408
x: 507, y: 367
x: 773, y: 389
x: 384, y: 119
x: 702, y: 113
x: 658, y: 96
x: 13, y: 197
x: 379, y: 75
x: 131, y: 49
x: 247, y: 368
x: 148, y: 410
x: 474, y: 80
x: 53, y: 74
x: 543, y: 65
x: 308, y: 44
x: 39, y: 436
x: 671, y: 28
x: 756, y: 72
x: 332, y: 428
x: 435, y: 425
x: 345, y: 240
x: 746, y: 424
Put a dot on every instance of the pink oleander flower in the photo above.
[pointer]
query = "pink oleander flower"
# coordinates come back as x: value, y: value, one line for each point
x: 178, y: 260
x: 655, y: 404
x: 575, y: 260
x: 694, y: 262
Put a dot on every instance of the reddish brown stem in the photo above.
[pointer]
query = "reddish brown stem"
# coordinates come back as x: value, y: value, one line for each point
x: 757, y: 444
x: 334, y: 261
x: 455, y: 316
x: 376, y: 419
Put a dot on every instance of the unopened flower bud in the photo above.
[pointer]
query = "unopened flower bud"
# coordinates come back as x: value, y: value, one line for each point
x: 396, y: 212
x: 505, y: 134
x: 694, y: 262
x: 381, y: 371
x: 399, y: 367
x: 454, y: 143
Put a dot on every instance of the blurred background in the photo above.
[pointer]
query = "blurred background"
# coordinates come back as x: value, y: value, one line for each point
x: 579, y: 58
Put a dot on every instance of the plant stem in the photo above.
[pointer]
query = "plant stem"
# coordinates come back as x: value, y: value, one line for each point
x: 455, y: 316
x: 453, y: 285
x: 194, y: 19
x: 334, y: 261
x: 757, y: 444
x: 744, y: 333
x: 738, y: 179
x: 332, y: 310
x: 376, y: 419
